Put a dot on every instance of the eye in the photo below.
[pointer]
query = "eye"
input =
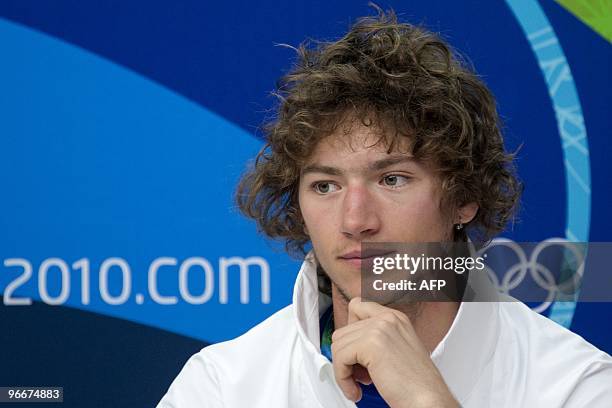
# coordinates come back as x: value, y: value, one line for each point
x: 324, y: 187
x: 395, y: 180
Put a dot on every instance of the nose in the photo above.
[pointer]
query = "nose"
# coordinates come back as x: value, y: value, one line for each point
x: 360, y: 219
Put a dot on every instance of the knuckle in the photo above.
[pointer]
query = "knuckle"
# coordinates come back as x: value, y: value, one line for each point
x: 390, y: 321
x: 375, y: 336
x: 396, y: 317
x: 402, y: 317
x: 382, y: 326
x: 335, y: 335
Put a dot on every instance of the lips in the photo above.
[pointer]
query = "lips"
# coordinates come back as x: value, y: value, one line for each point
x: 357, y: 258
x: 369, y: 253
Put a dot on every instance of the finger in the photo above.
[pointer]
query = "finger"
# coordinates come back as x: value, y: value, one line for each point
x: 360, y: 310
x: 343, y: 362
x: 352, y: 316
x: 366, y: 339
x: 349, y: 328
x: 344, y: 338
x: 360, y: 373
x: 388, y: 319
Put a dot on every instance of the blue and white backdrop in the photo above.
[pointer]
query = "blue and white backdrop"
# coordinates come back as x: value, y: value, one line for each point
x: 124, y: 126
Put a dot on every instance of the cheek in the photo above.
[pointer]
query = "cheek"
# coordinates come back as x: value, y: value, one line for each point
x: 319, y: 220
x: 420, y: 213
x: 305, y: 209
x: 315, y: 214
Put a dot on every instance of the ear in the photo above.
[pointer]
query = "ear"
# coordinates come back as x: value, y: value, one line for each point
x: 467, y: 212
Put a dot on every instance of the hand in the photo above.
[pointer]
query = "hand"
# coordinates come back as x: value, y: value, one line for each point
x: 379, y: 345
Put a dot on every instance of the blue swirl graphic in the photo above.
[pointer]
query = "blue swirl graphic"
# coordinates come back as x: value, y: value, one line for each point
x: 570, y: 122
x: 102, y: 167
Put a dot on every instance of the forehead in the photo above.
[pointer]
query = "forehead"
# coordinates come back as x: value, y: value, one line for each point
x: 357, y: 143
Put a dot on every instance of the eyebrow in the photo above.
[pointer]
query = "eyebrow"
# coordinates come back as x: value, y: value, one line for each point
x: 390, y: 161
x: 375, y: 166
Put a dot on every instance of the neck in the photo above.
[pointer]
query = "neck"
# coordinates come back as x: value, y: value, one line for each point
x: 431, y: 320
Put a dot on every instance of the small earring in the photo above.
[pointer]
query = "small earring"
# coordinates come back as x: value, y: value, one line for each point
x: 458, y: 226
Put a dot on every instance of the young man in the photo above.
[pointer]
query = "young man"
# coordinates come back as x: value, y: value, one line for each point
x: 383, y: 136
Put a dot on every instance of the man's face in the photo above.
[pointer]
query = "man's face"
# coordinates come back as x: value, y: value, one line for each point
x: 352, y: 191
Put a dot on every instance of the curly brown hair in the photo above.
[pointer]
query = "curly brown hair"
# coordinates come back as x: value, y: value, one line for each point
x: 407, y: 82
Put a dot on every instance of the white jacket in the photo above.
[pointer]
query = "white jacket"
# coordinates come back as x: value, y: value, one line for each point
x: 496, y: 354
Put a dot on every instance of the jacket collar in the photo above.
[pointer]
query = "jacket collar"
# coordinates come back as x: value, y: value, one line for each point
x: 308, y: 305
x: 469, y: 344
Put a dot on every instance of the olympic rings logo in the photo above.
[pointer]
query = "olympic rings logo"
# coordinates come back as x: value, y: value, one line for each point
x: 541, y: 274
